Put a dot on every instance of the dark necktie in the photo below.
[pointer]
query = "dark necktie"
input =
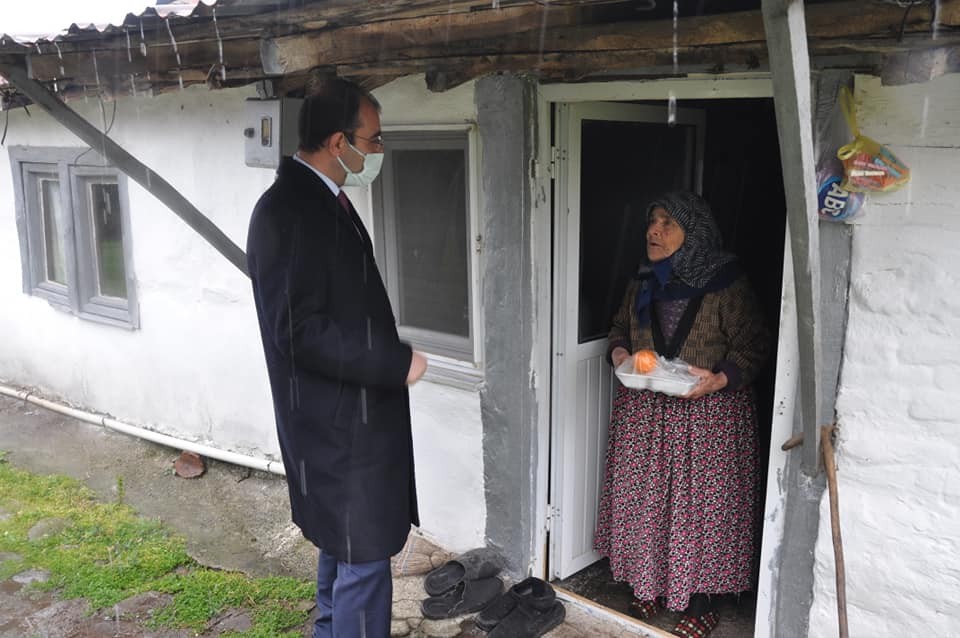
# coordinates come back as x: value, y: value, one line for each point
x: 355, y: 220
x: 348, y: 209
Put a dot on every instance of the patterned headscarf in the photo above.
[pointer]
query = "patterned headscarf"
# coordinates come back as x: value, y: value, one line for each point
x: 700, y: 257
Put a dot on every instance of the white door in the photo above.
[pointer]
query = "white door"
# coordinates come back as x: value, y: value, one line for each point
x: 611, y: 159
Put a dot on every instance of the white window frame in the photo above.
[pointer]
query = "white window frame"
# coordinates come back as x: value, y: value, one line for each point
x: 447, y: 366
x: 79, y: 295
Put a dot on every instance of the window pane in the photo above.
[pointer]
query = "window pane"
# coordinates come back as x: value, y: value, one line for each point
x: 108, y: 239
x: 431, y: 226
x: 54, y: 261
x: 625, y: 165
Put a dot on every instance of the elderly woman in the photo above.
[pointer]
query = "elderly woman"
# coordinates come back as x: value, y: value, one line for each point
x: 679, y: 511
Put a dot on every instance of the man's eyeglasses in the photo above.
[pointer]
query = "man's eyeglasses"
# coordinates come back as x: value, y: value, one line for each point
x: 376, y: 141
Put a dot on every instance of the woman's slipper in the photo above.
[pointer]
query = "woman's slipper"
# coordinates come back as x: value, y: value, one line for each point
x: 644, y: 609
x: 471, y: 565
x: 465, y: 598
x: 532, y: 591
x: 526, y: 621
x: 697, y: 626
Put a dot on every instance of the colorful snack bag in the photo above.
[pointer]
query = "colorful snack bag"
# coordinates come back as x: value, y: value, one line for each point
x: 867, y: 165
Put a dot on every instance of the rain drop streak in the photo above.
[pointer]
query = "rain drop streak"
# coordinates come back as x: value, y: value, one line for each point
x: 672, y: 98
x: 363, y: 406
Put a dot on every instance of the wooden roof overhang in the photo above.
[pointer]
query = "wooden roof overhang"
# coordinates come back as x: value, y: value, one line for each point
x: 234, y: 43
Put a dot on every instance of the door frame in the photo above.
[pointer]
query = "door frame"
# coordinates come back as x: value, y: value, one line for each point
x: 731, y: 86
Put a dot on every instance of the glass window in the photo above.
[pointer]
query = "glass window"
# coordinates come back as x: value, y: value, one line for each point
x: 72, y: 220
x: 430, y: 211
x: 632, y: 162
x: 422, y: 215
x: 54, y: 260
x: 108, y: 239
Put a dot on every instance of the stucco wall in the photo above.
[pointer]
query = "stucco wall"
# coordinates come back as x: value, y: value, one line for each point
x: 195, y: 367
x: 898, y: 449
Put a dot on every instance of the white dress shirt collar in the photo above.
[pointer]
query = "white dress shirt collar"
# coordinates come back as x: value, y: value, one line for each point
x: 326, y: 180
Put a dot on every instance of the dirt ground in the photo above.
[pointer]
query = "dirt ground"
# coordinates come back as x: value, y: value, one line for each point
x: 233, y: 519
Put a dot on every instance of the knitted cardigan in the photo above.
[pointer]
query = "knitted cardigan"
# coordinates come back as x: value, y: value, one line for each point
x: 728, y: 333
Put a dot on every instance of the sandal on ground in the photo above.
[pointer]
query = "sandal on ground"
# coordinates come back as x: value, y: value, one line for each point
x: 644, y: 609
x: 531, y: 591
x: 472, y: 565
x: 697, y: 626
x: 466, y: 598
x: 528, y: 621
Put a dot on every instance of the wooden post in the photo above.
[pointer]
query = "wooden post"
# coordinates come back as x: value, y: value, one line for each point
x: 138, y: 171
x: 790, y: 69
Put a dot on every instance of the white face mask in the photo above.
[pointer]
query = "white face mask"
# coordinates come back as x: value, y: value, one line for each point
x: 371, y: 168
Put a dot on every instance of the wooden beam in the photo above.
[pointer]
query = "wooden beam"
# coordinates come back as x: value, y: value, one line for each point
x: 848, y: 23
x: 88, y: 66
x: 790, y: 73
x: 296, y: 53
x: 450, y: 71
x: 139, y: 172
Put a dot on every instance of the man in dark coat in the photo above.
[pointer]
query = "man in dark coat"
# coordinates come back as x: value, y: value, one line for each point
x: 338, y: 371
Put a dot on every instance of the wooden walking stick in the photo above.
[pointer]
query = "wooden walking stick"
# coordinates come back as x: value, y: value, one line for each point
x: 831, y: 468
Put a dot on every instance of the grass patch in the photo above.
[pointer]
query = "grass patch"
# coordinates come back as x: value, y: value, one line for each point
x: 107, y: 553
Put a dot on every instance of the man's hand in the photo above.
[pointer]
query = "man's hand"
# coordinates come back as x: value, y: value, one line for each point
x: 709, y: 382
x: 618, y: 355
x: 418, y: 365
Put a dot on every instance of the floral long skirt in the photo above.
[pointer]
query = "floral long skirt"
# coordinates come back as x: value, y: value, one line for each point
x: 679, y: 510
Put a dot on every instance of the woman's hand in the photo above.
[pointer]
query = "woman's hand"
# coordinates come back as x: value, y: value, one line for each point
x: 709, y: 382
x: 618, y: 355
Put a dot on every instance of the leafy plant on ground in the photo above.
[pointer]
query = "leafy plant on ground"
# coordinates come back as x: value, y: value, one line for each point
x: 106, y: 553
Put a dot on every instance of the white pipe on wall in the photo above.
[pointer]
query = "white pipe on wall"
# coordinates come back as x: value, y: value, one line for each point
x: 264, y: 465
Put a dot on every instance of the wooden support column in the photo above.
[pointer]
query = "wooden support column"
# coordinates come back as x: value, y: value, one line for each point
x: 786, y: 36
x: 134, y: 168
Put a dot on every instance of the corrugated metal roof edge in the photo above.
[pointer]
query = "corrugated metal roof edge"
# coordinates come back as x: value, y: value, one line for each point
x: 200, y: 9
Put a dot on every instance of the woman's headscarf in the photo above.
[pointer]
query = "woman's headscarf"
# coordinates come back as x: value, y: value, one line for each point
x: 700, y: 265
x: 700, y: 257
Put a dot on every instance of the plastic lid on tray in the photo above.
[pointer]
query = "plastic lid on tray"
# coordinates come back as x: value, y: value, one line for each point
x: 669, y: 377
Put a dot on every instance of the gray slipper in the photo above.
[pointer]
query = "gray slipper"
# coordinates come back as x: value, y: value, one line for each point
x: 471, y: 565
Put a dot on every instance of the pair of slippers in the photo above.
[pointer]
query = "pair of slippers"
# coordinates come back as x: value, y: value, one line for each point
x: 527, y: 610
x: 469, y: 583
x: 464, y: 585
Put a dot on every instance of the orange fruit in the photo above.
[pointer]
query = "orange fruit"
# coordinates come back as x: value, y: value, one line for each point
x: 644, y: 361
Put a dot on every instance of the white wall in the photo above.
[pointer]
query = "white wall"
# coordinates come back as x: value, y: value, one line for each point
x: 195, y: 367
x: 899, y: 478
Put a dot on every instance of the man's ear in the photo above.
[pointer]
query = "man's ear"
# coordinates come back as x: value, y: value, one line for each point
x: 336, y: 143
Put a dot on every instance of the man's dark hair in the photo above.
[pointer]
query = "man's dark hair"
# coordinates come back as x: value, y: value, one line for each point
x: 333, y: 106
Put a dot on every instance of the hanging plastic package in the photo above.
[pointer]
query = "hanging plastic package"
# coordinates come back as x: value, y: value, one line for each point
x: 834, y: 203
x: 868, y: 166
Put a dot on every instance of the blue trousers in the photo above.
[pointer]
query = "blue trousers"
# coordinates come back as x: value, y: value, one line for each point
x: 353, y: 599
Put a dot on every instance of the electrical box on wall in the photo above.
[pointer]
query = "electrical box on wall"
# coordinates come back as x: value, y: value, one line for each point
x: 270, y: 130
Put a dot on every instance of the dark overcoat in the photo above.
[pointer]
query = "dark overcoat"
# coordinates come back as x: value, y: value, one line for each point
x: 337, y: 370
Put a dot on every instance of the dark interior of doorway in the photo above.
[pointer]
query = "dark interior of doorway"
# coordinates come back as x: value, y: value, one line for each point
x: 742, y: 180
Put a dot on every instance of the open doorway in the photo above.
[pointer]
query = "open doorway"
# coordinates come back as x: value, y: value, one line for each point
x: 616, y: 158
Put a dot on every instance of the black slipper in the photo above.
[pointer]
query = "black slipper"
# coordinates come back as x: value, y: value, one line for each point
x: 467, y: 597
x: 526, y: 621
x: 533, y: 591
x: 472, y: 565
